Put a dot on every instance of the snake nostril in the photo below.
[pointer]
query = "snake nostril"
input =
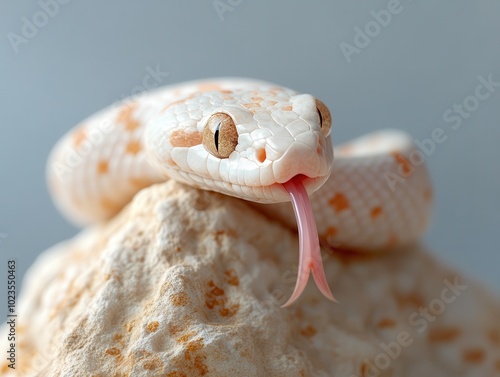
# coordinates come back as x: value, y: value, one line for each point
x: 261, y: 154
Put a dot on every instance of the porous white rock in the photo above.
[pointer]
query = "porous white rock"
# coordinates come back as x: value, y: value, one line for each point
x: 189, y: 283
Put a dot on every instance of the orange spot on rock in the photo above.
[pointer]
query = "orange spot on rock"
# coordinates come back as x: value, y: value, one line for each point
x: 133, y: 147
x: 215, y: 291
x: 179, y: 299
x: 231, y: 277
x: 386, y: 323
x: 287, y: 108
x: 215, y: 298
x: 376, y: 212
x: 152, y: 327
x: 331, y: 232
x: 474, y: 355
x: 443, y: 335
x: 102, y: 167
x: 153, y: 364
x: 308, y: 331
x: 113, y: 351
x: 181, y: 138
x: 118, y: 338
x: 125, y: 117
x: 176, y: 373
x: 339, y: 202
x: 403, y: 162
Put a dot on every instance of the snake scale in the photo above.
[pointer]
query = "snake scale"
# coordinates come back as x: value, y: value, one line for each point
x: 253, y: 140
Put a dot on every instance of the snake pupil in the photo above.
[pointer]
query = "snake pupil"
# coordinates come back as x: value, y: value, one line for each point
x: 320, y: 117
x: 216, y: 136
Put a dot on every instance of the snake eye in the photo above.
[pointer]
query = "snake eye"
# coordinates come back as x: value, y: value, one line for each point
x: 325, y: 118
x: 220, y: 136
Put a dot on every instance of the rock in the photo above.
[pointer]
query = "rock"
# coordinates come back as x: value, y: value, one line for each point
x: 189, y: 283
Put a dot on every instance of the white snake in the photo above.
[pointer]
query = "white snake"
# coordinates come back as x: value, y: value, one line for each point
x: 256, y: 141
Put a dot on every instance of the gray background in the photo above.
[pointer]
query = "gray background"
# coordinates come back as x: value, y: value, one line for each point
x: 428, y: 58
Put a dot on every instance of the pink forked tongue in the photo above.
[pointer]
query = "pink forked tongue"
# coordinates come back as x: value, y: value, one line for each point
x: 310, y: 254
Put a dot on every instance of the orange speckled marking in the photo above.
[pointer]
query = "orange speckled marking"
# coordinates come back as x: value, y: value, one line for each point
x: 412, y: 300
x: 443, y: 335
x: 113, y: 351
x: 118, y: 338
x: 133, y: 147
x: 251, y: 106
x: 181, y: 138
x: 176, y: 373
x: 428, y: 194
x: 474, y: 355
x: 179, y: 299
x: 102, y: 167
x: 339, y: 202
x: 172, y: 104
x: 153, y: 364
x: 140, y: 182
x: 331, y: 232
x: 231, y: 277
x: 208, y: 87
x: 287, y: 108
x: 216, y: 291
x: 152, y: 327
x: 79, y: 136
x: 125, y: 116
x: 215, y: 298
x: 392, y: 241
x: 261, y: 155
x: 386, y: 323
x: 401, y: 160
x: 308, y: 331
x: 193, y: 346
x: 364, y: 369
x: 494, y: 336
x: 108, y: 204
x: 376, y: 212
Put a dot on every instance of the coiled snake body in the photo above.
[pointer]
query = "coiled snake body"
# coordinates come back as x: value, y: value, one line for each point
x: 253, y: 140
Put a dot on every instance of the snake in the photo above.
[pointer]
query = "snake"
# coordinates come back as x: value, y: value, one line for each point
x: 257, y: 141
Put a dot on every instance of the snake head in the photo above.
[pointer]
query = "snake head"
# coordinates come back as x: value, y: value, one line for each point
x: 244, y: 142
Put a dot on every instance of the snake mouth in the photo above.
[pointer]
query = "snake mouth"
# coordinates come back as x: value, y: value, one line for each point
x: 310, y: 252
